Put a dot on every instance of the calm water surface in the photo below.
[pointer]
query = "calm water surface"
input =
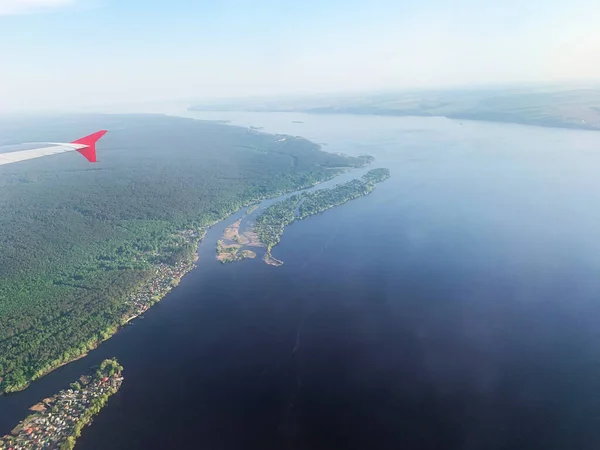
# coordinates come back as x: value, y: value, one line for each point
x: 456, y: 307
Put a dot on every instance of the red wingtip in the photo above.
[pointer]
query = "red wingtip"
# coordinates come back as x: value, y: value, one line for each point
x: 90, y: 151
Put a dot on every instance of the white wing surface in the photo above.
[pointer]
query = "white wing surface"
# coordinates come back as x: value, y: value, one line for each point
x: 86, y: 146
x: 24, y: 155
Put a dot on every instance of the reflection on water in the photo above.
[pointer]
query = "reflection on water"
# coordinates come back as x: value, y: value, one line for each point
x: 453, y: 308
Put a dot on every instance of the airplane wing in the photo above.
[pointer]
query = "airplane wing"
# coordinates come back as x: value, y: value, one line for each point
x: 86, y: 146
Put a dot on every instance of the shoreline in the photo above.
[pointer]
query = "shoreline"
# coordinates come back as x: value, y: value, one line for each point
x: 92, y: 345
x: 57, y: 421
x: 192, y: 239
x: 271, y: 224
x: 270, y: 260
x: 458, y: 118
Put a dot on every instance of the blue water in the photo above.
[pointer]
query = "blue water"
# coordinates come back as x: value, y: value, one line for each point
x: 456, y: 307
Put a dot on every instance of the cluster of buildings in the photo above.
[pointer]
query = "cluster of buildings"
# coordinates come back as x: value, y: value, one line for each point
x: 166, y: 277
x: 58, y: 416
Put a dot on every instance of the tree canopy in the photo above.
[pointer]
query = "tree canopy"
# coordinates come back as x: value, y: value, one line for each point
x: 77, y: 238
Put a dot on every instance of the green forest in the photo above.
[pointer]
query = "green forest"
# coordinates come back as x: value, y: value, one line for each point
x: 321, y: 200
x: 78, y: 238
x: 272, y: 222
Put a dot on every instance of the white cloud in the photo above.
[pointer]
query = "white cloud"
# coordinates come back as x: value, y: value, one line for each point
x: 10, y: 7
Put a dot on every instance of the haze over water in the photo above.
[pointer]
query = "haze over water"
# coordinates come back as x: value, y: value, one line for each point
x: 456, y: 307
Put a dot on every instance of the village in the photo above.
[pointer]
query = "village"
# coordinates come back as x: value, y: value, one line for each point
x: 58, y: 420
x: 166, y: 277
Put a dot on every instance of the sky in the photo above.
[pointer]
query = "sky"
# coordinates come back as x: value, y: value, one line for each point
x: 61, y: 54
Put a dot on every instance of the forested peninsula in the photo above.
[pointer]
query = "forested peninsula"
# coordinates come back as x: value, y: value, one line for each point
x: 272, y: 222
x: 86, y: 247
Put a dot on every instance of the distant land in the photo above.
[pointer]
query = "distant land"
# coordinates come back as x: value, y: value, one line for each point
x: 548, y: 106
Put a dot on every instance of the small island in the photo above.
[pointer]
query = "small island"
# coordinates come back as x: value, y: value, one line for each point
x: 58, y: 420
x: 230, y: 246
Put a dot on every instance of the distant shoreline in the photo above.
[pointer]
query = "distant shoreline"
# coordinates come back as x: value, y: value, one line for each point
x: 564, y: 126
x: 457, y: 117
x: 559, y: 105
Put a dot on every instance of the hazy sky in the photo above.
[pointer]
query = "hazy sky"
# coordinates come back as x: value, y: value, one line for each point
x: 64, y: 53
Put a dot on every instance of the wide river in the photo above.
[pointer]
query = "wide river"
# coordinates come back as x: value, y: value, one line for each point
x: 456, y: 307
